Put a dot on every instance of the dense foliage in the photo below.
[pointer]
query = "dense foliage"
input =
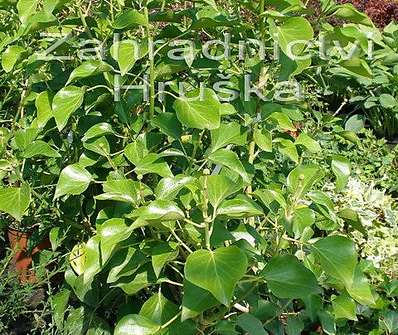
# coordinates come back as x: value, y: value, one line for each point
x: 219, y: 210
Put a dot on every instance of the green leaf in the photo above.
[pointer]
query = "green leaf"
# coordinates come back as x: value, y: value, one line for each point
x: 40, y: 148
x: 341, y: 168
x: 219, y: 188
x: 15, y: 200
x: 87, y: 69
x: 65, y: 103
x: 293, y: 29
x: 240, y: 207
x: 263, y: 139
x: 98, y: 130
x: 338, y: 257
x: 158, y: 309
x: 145, y: 162
x: 287, y: 278
x: 231, y: 160
x: 356, y: 67
x: 196, y: 110
x: 124, y: 190
x: 302, y: 178
x: 127, y: 52
x: 282, y: 120
x: 98, y: 145
x: 216, y: 271
x: 158, y: 211
x: 111, y: 232
x: 10, y: 56
x: 161, y: 254
x: 355, y: 123
x: 73, y: 180
x: 26, y: 8
x: 360, y: 289
x: 303, y: 217
x: 125, y: 263
x: 44, y: 110
x: 310, y: 144
x: 227, y: 133
x: 250, y: 324
x: 59, y: 303
x: 195, y: 301
x: 168, y: 124
x: 137, y: 325
x: 289, y: 149
x: 25, y: 137
x: 388, y: 101
x: 130, y: 18
x: 344, y: 308
x: 168, y: 188
x: 350, y: 13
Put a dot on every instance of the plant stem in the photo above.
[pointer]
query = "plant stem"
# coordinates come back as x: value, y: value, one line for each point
x: 151, y: 70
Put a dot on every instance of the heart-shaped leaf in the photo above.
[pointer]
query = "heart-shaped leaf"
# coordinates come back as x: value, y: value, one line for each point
x: 216, y: 271
x: 199, y: 110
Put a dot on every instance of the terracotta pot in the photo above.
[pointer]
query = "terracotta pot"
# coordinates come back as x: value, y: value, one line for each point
x: 22, y: 259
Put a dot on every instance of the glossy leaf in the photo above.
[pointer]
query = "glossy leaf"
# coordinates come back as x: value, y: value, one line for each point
x: 65, y: 103
x: 73, y: 180
x: 231, y: 160
x: 216, y: 271
x: 88, y: 69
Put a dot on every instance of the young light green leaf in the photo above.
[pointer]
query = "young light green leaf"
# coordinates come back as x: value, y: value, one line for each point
x: 15, y: 200
x: 287, y: 278
x: 263, y: 139
x: 65, y: 103
x: 44, y: 110
x: 73, y: 180
x: 199, y: 110
x: 10, y: 56
x: 124, y: 190
x: 26, y: 8
x: 302, y: 178
x: 216, y: 271
x: 168, y: 188
x: 127, y: 52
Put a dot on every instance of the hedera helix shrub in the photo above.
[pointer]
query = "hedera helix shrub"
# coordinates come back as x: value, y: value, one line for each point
x: 175, y: 221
